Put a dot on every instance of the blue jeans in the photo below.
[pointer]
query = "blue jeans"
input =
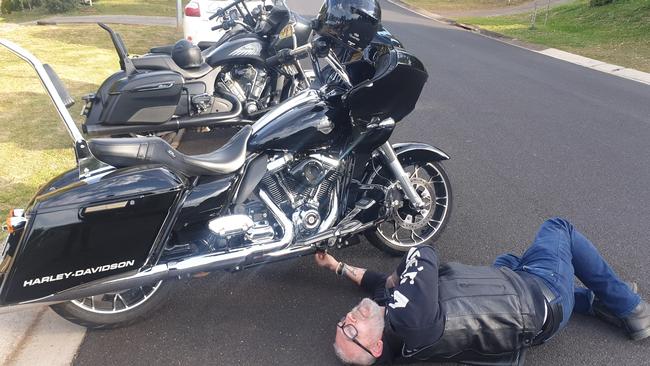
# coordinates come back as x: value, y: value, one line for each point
x: 558, y: 253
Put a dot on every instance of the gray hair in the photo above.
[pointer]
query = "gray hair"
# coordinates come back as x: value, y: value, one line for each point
x: 369, y: 311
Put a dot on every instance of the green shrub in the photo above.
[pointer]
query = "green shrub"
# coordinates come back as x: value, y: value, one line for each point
x: 9, y: 6
x: 600, y: 2
x: 17, y: 5
x: 6, y: 7
x: 59, y: 6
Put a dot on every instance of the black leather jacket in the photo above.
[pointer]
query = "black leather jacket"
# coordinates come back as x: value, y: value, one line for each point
x: 491, y: 317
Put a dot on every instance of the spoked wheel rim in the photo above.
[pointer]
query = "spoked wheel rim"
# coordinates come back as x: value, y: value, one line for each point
x: 408, y: 227
x: 117, y: 302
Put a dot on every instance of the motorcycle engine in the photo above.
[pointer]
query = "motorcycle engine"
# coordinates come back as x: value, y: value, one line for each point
x: 304, y: 190
x: 247, y: 83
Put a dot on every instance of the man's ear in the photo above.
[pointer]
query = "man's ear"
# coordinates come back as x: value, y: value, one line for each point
x: 377, y: 348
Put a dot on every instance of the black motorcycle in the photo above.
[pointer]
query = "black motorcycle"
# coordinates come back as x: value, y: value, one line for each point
x: 180, y: 86
x: 102, y: 243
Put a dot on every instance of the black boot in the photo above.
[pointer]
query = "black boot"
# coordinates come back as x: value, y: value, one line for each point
x: 637, y: 323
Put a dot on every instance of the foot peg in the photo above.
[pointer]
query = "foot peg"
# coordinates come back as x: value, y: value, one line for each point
x: 361, y: 205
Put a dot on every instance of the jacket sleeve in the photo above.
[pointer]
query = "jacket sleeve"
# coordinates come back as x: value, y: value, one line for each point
x: 373, y: 281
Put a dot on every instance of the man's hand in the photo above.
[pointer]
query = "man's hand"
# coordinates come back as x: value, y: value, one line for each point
x: 323, y: 259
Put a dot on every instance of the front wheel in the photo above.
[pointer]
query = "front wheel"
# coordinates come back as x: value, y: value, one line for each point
x: 115, y: 310
x: 406, y: 226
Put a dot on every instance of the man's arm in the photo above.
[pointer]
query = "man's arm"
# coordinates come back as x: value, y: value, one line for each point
x: 355, y: 274
x: 324, y: 259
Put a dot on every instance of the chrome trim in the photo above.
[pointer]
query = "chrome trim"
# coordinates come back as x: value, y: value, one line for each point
x: 385, y: 124
x: 327, y: 160
x: 338, y: 68
x: 291, y: 103
x: 333, y: 214
x: 236, y: 258
x: 157, y: 86
x: 225, y: 226
x: 277, y: 164
x: 107, y: 207
x: 250, y: 49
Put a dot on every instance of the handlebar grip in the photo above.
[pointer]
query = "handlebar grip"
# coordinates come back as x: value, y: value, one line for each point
x: 282, y: 57
x: 217, y: 13
x: 218, y: 26
x: 274, y: 61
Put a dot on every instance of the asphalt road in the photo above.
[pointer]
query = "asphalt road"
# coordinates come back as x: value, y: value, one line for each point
x: 530, y: 137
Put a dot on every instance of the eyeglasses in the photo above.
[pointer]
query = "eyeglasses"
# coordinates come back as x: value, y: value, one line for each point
x: 351, y: 332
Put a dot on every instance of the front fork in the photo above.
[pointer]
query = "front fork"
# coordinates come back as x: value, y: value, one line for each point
x: 402, y: 177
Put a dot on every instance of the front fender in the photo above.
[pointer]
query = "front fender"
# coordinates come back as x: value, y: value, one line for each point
x: 406, y: 151
x: 420, y: 149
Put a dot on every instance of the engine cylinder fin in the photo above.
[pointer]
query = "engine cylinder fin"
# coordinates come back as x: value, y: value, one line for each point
x: 274, y: 190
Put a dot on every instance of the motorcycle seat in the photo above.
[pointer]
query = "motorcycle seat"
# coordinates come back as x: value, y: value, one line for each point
x: 127, y: 152
x: 162, y: 61
x: 203, y: 45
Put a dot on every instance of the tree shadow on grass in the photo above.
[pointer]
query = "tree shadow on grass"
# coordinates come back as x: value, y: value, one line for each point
x: 30, y: 120
x: 138, y: 38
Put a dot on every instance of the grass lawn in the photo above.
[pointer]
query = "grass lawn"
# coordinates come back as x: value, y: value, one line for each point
x: 34, y: 145
x: 617, y: 33
x: 102, y: 7
x: 461, y: 5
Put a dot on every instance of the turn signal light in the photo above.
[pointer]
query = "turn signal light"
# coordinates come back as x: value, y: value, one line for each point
x: 15, y: 221
x: 9, y: 227
x: 192, y: 10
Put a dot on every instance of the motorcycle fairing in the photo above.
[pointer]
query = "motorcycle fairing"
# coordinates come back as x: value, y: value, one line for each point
x: 82, y: 230
x: 393, y: 69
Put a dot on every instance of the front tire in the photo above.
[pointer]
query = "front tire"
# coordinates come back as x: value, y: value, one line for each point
x: 407, y: 227
x: 115, y: 310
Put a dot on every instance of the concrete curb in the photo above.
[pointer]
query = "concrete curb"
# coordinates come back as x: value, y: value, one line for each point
x: 620, y: 71
x: 38, y: 337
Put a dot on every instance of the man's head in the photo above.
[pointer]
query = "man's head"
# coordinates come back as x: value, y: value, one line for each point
x: 358, y: 334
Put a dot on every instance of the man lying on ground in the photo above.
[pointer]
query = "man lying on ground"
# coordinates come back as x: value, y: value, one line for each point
x: 483, y: 315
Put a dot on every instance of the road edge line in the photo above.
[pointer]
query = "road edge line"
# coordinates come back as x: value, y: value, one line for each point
x: 589, y: 63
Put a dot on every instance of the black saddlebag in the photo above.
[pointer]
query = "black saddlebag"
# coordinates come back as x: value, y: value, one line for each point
x: 142, y: 98
x: 80, y: 231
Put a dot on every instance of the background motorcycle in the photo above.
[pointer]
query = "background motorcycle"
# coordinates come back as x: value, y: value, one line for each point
x: 231, y: 86
x: 102, y: 242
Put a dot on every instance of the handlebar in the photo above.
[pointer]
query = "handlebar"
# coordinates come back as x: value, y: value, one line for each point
x: 222, y: 11
x: 285, y: 56
x: 219, y: 26
x: 226, y: 24
x: 217, y: 13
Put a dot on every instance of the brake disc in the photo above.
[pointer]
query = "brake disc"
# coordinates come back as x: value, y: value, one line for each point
x: 414, y: 219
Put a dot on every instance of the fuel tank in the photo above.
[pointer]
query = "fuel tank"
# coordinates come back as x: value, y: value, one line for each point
x: 241, y: 49
x: 302, y: 32
x: 83, y: 230
x: 301, y: 122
